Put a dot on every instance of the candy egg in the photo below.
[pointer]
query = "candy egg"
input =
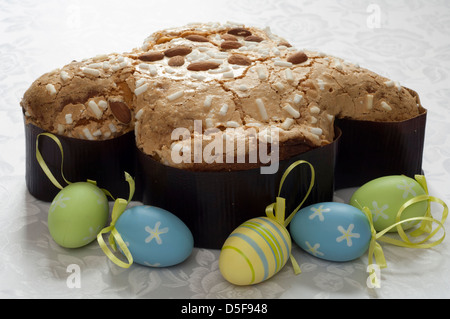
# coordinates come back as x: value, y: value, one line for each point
x: 255, y: 251
x: 77, y: 214
x: 154, y: 236
x: 331, y: 231
x: 385, y: 195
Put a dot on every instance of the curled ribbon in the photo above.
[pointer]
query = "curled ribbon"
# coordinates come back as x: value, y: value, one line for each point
x: 47, y: 171
x: 119, y: 207
x: 375, y: 249
x: 425, y: 226
x: 277, y: 211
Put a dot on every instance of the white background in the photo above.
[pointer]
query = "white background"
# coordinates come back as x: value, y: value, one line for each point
x: 409, y: 42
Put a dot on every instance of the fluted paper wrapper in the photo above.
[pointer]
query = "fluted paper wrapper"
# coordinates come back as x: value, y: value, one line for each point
x: 101, y: 161
x: 368, y: 150
x: 213, y: 204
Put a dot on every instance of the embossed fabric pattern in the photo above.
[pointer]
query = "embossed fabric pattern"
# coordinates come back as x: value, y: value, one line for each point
x: 405, y: 40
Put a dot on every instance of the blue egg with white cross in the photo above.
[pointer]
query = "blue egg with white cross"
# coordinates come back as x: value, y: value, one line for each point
x: 154, y: 236
x: 331, y: 231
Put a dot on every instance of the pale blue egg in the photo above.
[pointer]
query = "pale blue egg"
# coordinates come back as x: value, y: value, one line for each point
x: 154, y: 236
x: 331, y: 231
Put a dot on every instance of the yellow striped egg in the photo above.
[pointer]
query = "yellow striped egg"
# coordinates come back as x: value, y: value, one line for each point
x: 255, y: 251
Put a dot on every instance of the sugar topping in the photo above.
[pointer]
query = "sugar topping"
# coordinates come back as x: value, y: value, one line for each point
x: 95, y: 109
x: 97, y: 133
x: 141, y: 89
x: 289, y: 75
x: 224, y: 109
x: 233, y: 124
x: 337, y: 65
x: 208, y: 101
x: 262, y: 109
x: 51, y: 89
x: 389, y: 83
x: 138, y: 114
x: 175, y: 96
x: 321, y: 84
x: 330, y: 117
x: 60, y: 128
x: 112, y: 127
x: 243, y: 88
x: 297, y: 99
x: 64, y: 76
x: 294, y: 113
x: 288, y: 122
x: 230, y: 76
x: 279, y: 86
x: 90, y: 71
x: 68, y: 118
x: 316, y: 130
x: 314, y: 109
x: 103, y: 104
x: 386, y: 106
x: 369, y: 101
x: 283, y: 64
x: 88, y: 134
x: 262, y: 75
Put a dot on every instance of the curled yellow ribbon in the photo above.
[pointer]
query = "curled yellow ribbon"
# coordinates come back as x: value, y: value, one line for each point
x: 119, y: 205
x: 405, y: 241
x: 44, y: 166
x: 277, y: 211
x: 47, y: 171
x: 425, y: 226
x: 114, y: 238
x: 375, y: 249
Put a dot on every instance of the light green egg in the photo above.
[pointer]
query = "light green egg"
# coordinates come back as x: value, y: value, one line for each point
x: 77, y: 214
x: 385, y: 195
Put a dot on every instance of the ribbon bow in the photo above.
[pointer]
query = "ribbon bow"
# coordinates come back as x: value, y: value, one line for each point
x: 277, y: 211
x: 375, y: 249
x: 119, y: 207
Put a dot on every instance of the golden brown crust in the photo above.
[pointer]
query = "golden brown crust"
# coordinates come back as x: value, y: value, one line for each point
x: 79, y: 106
x: 254, y: 84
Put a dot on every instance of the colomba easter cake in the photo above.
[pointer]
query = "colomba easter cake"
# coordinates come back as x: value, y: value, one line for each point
x: 215, y: 82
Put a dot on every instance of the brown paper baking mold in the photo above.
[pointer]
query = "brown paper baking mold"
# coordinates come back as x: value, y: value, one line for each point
x: 368, y: 150
x: 213, y: 204
x: 102, y: 161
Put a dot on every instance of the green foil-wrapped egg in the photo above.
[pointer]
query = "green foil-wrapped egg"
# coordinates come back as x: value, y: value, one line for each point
x: 77, y: 214
x: 385, y: 196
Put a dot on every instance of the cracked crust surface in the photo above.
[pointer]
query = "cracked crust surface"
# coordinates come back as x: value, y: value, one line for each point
x: 240, y: 83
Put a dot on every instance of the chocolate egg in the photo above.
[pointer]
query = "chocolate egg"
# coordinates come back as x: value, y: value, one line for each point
x: 385, y: 195
x: 154, y: 236
x: 77, y: 214
x: 255, y: 251
x: 331, y: 231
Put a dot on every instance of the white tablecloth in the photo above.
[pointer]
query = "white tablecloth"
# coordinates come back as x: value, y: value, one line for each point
x: 407, y: 41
